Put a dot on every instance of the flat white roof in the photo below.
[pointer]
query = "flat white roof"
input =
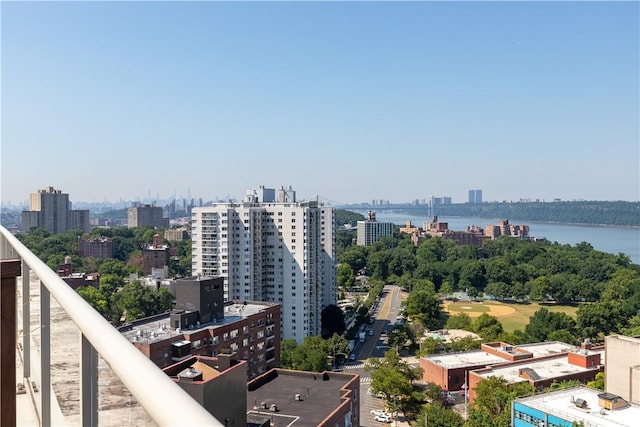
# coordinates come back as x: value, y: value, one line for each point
x: 480, y: 357
x: 468, y: 358
x: 546, y: 369
x: 559, y: 404
x: 547, y: 348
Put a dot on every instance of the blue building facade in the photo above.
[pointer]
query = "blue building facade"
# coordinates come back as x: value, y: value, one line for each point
x: 525, y: 416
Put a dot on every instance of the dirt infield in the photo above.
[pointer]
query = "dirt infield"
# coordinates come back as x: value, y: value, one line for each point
x: 471, y: 309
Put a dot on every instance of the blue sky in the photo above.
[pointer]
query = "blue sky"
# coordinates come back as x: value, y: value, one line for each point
x: 351, y: 101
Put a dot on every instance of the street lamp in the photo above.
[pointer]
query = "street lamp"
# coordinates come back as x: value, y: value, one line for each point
x: 395, y: 409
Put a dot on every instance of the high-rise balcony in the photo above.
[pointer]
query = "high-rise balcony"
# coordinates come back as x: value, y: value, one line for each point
x: 68, y: 365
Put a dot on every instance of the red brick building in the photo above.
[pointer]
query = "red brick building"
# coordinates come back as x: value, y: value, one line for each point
x: 579, y: 364
x: 204, y: 325
x: 450, y: 370
x: 99, y: 247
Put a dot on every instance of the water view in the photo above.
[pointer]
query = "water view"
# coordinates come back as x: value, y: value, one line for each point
x: 603, y: 238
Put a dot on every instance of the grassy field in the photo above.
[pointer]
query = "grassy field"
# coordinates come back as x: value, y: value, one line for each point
x: 518, y: 316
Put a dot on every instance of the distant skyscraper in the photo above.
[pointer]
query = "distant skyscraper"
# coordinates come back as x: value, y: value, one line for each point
x: 475, y: 196
x: 50, y: 210
x: 271, y: 249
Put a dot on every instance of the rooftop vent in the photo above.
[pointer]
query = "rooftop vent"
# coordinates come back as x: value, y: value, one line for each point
x: 298, y: 397
x: 273, y: 408
x: 581, y: 403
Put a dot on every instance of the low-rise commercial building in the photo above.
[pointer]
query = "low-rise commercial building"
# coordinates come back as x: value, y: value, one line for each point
x: 450, y: 370
x: 574, y: 406
x: 581, y: 364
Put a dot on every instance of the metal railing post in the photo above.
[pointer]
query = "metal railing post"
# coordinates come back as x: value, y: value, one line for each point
x: 26, y: 319
x: 88, y: 383
x: 158, y: 395
x: 45, y: 355
x: 10, y: 271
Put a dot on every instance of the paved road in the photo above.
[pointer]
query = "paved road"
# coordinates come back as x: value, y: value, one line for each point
x: 385, y: 314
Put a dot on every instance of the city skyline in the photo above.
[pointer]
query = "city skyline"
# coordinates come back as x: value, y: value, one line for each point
x: 348, y: 101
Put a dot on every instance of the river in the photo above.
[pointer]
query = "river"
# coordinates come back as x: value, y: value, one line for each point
x: 609, y: 239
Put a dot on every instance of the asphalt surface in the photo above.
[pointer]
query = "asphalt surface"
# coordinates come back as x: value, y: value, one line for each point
x: 386, y: 310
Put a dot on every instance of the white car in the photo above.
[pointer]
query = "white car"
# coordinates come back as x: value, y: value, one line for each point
x: 378, y: 412
x: 383, y: 418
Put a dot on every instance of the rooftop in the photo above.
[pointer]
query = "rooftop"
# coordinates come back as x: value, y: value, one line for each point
x: 547, y: 348
x: 319, y: 395
x: 547, y: 368
x: 560, y: 403
x: 157, y: 328
x: 480, y: 357
x: 467, y: 358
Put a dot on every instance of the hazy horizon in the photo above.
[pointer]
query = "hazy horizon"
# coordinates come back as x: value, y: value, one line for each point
x: 374, y: 100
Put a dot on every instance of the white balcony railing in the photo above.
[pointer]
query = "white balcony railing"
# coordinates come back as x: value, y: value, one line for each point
x: 163, y: 400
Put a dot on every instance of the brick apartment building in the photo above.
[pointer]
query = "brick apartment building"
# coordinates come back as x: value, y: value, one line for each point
x: 204, y: 325
x: 156, y: 255
x: 99, y: 247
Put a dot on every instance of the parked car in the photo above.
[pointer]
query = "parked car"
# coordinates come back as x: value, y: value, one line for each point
x: 352, y: 357
x: 378, y: 412
x: 383, y: 418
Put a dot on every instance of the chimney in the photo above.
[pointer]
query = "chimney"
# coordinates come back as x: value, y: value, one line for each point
x: 586, y: 344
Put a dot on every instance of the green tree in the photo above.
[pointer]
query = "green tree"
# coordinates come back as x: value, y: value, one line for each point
x: 544, y: 322
x: 446, y: 288
x: 598, y: 381
x: 492, y: 405
x: 345, y: 276
x: 287, y: 348
x: 112, y: 266
x: 436, y: 415
x: 459, y: 321
x: 354, y: 256
x: 423, y: 305
x: 488, y: 327
x: 540, y: 289
x: 95, y: 298
x: 599, y: 319
x: 431, y: 345
x: 393, y: 377
x: 135, y: 301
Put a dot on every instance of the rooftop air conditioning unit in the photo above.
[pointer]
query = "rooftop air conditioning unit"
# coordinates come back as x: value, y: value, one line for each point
x: 298, y: 397
x: 273, y: 408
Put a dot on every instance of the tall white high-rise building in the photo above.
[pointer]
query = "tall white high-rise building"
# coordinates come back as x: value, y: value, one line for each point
x: 270, y: 248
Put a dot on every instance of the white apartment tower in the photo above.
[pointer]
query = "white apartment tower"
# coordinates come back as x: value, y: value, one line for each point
x: 370, y: 231
x: 270, y: 248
